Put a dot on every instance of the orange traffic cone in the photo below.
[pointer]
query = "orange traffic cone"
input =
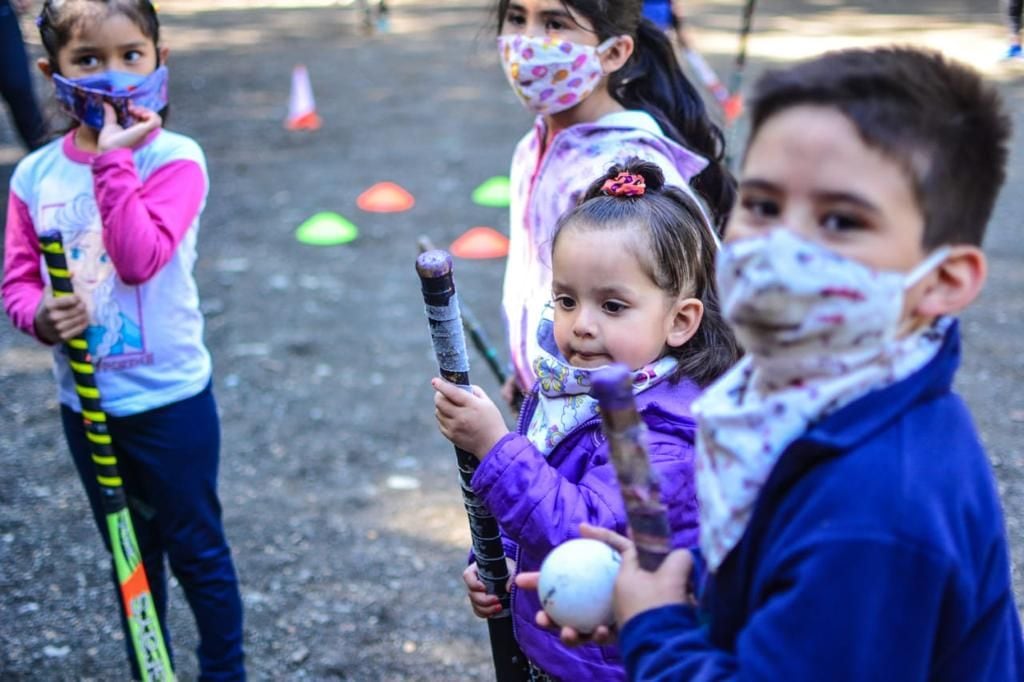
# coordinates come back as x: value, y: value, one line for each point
x: 301, y: 105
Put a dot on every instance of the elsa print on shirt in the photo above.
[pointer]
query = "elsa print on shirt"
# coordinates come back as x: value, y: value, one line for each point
x: 112, y: 331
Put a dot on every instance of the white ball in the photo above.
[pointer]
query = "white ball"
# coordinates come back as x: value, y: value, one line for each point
x: 576, y: 584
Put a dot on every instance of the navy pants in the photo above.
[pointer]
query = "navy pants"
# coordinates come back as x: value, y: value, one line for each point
x: 168, y: 459
x: 16, y: 80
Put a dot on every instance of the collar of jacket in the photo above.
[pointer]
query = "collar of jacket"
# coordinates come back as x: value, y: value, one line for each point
x: 867, y: 415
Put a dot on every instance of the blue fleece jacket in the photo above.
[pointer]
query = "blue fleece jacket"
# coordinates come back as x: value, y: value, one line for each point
x: 876, y: 551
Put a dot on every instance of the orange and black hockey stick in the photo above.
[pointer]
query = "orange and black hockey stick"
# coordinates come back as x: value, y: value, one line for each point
x: 140, y: 611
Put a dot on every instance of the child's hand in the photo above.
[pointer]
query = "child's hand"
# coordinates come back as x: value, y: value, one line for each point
x: 484, y: 605
x: 511, y: 394
x: 569, y: 636
x: 61, y: 319
x: 636, y: 590
x: 113, y: 136
x: 469, y: 420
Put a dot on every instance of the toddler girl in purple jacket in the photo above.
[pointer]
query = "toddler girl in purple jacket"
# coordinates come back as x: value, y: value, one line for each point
x: 633, y: 282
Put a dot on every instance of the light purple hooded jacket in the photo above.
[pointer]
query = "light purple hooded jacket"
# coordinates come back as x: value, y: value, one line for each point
x: 540, y: 502
x: 546, y: 186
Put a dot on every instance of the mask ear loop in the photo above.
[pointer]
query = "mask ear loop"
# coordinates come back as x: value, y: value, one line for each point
x: 607, y: 44
x: 922, y: 269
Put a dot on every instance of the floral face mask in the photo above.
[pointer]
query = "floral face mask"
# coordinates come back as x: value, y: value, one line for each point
x: 551, y: 75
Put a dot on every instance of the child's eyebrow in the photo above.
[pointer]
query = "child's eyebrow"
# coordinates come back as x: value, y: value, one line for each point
x: 832, y: 196
x: 612, y: 292
x: 560, y: 13
x: 557, y: 14
x: 847, y: 198
x: 93, y: 48
x: 758, y: 184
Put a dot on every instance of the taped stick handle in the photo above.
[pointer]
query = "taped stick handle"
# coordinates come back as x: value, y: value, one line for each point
x: 103, y: 458
x: 638, y: 482
x: 136, y: 597
x: 446, y: 333
x: 476, y: 331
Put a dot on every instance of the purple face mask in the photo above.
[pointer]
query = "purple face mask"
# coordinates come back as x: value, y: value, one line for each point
x: 83, y: 98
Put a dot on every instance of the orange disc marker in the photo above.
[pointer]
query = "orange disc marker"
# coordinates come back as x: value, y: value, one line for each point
x: 385, y: 197
x: 480, y: 242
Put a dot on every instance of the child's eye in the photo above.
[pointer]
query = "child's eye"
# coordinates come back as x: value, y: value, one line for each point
x: 515, y: 19
x: 565, y: 302
x: 554, y: 25
x: 132, y: 56
x: 613, y: 307
x: 87, y: 62
x: 841, y: 222
x: 760, y: 208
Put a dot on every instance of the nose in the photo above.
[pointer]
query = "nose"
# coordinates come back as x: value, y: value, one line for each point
x: 583, y: 324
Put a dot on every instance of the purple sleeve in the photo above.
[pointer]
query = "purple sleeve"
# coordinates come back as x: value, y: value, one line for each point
x: 673, y: 460
x: 539, y: 508
x: 143, y: 222
x: 535, y: 504
x: 22, y: 286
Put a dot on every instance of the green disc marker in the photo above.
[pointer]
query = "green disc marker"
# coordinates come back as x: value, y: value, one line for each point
x: 326, y: 229
x: 493, y: 192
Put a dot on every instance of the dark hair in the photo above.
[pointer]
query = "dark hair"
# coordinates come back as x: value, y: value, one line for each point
x: 677, y: 251
x: 653, y: 81
x: 935, y: 117
x: 59, y: 19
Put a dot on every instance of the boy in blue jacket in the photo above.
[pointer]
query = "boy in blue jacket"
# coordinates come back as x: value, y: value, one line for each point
x: 850, y: 525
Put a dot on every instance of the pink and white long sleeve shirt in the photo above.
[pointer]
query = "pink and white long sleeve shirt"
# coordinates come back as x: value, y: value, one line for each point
x: 546, y: 183
x: 129, y: 220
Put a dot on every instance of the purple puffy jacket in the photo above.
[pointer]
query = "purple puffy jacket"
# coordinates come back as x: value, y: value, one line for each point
x: 540, y: 502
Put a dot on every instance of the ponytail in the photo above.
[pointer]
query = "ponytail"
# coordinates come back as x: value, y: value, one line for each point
x: 653, y: 81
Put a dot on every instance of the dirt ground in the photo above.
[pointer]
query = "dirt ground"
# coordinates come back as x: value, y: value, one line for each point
x: 340, y: 497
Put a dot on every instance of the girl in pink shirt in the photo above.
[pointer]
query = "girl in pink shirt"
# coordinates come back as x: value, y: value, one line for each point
x: 126, y: 196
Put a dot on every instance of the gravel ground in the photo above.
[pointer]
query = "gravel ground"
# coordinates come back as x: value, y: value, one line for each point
x: 339, y: 494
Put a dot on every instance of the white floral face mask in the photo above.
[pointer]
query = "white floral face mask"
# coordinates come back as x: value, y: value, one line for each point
x: 820, y: 331
x: 803, y: 310
x: 550, y: 75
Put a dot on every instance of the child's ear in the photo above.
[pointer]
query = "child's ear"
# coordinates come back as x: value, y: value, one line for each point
x: 163, y: 53
x: 616, y: 56
x: 686, y: 316
x: 44, y: 66
x: 960, y: 279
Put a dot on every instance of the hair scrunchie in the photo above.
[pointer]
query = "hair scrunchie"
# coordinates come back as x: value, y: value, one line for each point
x: 625, y: 184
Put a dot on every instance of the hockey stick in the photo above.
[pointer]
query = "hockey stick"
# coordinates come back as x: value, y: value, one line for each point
x: 139, y: 609
x: 442, y: 305
x: 627, y: 440
x: 472, y: 325
x: 735, y: 105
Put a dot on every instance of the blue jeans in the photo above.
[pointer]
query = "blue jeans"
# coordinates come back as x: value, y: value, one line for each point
x: 168, y: 458
x: 16, y: 80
